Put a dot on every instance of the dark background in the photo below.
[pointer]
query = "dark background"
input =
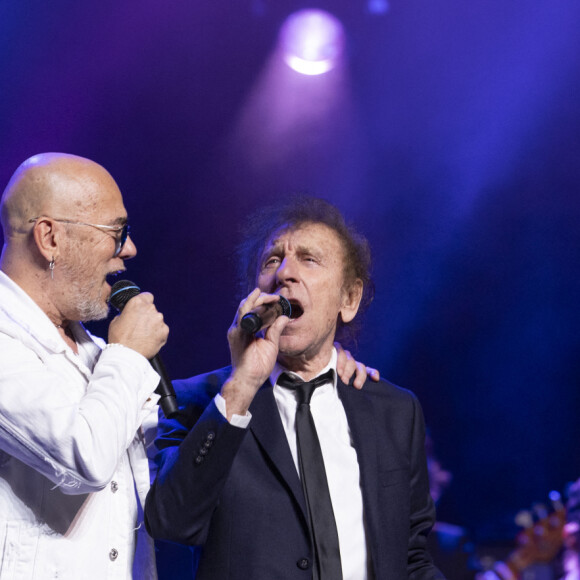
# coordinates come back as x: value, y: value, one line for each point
x: 450, y: 137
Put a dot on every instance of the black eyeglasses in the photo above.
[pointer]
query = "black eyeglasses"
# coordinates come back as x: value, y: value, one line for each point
x: 121, y: 232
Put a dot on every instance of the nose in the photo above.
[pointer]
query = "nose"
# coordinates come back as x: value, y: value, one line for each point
x: 129, y: 249
x: 287, y: 271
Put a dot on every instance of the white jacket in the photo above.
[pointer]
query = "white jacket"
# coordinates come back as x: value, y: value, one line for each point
x: 72, y: 450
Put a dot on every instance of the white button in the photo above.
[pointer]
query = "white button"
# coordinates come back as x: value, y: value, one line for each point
x: 113, y: 554
x: 114, y: 486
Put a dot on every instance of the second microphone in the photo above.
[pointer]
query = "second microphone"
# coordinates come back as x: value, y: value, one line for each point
x: 121, y: 292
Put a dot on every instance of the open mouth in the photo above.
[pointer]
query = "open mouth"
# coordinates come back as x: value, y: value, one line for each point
x: 114, y: 274
x: 297, y: 310
x: 110, y: 277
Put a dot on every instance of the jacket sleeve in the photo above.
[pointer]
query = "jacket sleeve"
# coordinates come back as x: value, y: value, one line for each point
x: 422, y: 517
x: 196, y: 452
x: 71, y: 432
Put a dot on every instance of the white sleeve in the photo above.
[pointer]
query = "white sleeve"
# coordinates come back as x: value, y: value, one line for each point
x: 72, y: 432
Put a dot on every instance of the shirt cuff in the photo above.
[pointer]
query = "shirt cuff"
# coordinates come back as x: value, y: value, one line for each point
x: 241, y: 421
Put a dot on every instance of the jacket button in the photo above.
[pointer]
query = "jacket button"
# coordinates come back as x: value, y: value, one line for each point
x: 114, y: 486
x: 303, y: 564
x: 113, y: 554
x: 199, y: 459
x: 210, y: 435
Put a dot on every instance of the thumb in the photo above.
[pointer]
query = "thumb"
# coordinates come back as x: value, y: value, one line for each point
x: 274, y: 331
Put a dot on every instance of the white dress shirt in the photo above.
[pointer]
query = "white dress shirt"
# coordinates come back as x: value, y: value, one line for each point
x: 73, y: 461
x: 340, y: 463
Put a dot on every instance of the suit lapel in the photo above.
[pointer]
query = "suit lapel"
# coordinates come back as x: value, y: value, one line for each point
x: 267, y: 428
x: 362, y: 421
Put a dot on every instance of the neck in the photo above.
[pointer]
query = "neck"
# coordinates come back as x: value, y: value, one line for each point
x: 307, y: 368
x: 38, y: 287
x: 68, y: 337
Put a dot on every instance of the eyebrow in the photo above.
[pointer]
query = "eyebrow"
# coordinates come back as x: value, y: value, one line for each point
x: 270, y: 250
x: 121, y: 221
x: 277, y: 248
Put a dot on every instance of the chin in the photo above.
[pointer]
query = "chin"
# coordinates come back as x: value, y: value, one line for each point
x: 293, y: 346
x: 288, y: 347
x: 93, y: 310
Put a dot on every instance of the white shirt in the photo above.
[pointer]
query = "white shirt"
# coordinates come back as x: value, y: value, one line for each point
x: 340, y: 463
x: 72, y: 450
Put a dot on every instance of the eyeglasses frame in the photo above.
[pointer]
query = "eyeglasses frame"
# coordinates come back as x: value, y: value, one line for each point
x: 120, y: 240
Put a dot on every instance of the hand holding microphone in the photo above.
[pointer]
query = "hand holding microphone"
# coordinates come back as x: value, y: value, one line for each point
x: 264, y: 315
x: 254, y: 353
x: 141, y: 326
x: 147, y: 334
x: 253, y: 356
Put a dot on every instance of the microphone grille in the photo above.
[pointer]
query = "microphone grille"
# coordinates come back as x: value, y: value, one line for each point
x: 121, y: 292
x: 286, y: 307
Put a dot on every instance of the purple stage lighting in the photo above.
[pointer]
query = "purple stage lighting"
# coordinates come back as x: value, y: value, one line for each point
x: 312, y: 41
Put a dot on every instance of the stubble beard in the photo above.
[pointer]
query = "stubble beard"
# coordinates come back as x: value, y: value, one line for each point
x: 90, y: 309
x: 85, y: 290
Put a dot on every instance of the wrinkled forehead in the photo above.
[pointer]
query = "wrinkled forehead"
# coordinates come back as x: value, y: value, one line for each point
x: 274, y: 238
x: 317, y: 232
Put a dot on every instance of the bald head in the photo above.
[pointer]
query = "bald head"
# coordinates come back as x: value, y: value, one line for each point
x: 61, y: 216
x: 53, y: 184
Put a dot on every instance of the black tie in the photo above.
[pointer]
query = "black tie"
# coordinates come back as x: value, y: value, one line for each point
x: 313, y: 476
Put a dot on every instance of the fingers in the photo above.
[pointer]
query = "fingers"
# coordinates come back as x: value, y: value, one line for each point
x: 235, y: 333
x: 249, y: 302
x: 362, y: 373
x: 252, y: 355
x: 341, y: 360
x: 140, y: 326
x: 276, y: 329
x: 345, y: 363
x: 137, y: 301
x: 253, y: 300
x: 360, y: 377
x: 347, y: 366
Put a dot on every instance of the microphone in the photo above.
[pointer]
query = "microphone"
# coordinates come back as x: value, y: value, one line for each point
x: 264, y: 315
x: 121, y: 292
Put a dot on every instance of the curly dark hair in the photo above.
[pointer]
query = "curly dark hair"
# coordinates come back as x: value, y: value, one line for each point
x: 290, y: 214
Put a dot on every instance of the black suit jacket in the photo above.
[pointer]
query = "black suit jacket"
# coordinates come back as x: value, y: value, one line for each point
x: 236, y: 493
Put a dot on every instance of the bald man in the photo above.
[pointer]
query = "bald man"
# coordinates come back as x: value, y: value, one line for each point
x: 73, y: 409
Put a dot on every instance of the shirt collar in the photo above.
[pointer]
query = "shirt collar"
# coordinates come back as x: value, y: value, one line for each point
x: 279, y: 369
x: 28, y: 316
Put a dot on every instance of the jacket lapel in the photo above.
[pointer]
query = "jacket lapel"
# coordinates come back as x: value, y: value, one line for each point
x: 362, y: 421
x: 267, y: 428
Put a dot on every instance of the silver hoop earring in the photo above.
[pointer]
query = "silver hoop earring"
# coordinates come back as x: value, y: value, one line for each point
x: 51, y: 268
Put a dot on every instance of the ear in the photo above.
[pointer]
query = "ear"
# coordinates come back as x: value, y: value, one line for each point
x: 46, y: 235
x: 351, y: 300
